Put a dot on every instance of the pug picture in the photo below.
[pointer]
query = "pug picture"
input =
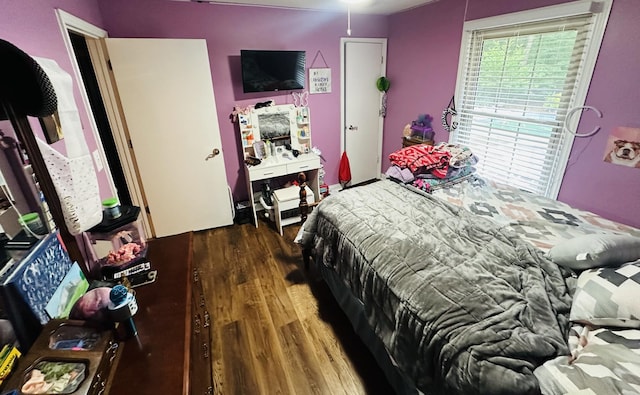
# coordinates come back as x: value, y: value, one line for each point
x: 623, y: 147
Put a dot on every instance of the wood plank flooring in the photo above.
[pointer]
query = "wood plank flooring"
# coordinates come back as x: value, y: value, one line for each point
x: 275, y: 331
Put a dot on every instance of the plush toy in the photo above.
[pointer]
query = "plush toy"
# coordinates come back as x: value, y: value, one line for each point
x: 421, y: 127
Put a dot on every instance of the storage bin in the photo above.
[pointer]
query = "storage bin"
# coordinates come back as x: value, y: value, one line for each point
x: 117, y: 243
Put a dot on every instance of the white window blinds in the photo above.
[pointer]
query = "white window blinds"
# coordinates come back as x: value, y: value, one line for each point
x: 517, y: 84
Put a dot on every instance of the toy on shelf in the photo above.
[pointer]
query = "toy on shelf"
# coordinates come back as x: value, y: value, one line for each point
x: 421, y: 128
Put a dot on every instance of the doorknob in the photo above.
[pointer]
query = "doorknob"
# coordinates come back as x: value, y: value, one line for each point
x: 213, y: 153
x: 351, y: 127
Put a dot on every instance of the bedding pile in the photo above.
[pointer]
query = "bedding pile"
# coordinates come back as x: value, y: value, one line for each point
x: 603, y: 361
x: 462, y: 305
x: 605, y: 340
x: 429, y: 168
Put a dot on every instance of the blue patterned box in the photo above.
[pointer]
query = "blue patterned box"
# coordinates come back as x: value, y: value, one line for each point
x: 27, y: 286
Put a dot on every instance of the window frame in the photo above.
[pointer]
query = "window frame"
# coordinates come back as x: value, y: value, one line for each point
x: 601, y: 9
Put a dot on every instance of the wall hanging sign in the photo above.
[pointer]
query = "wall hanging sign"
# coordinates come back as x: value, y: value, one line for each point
x: 319, y: 78
x: 623, y: 147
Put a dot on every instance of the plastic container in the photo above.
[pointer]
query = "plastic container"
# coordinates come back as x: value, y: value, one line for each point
x: 32, y: 222
x: 111, y: 208
x: 63, y: 377
x: 118, y: 243
x: 75, y: 338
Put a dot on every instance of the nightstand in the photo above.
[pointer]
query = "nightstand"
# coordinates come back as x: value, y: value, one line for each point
x: 408, y: 141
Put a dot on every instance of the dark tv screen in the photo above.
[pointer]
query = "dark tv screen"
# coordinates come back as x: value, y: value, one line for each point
x: 266, y: 71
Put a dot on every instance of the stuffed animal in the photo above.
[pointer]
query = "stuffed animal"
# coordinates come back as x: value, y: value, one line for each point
x: 421, y: 127
x: 424, y: 120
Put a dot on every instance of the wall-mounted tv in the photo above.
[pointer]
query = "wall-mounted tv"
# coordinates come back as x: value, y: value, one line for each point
x: 267, y: 71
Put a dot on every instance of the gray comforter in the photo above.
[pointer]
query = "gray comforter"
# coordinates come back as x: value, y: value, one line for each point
x: 461, y: 305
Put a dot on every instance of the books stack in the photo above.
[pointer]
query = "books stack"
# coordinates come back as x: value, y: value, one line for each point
x: 8, y: 359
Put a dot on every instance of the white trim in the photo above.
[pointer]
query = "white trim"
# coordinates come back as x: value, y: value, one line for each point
x: 111, y: 100
x: 537, y: 14
x: 602, y: 10
x: 343, y: 42
x: 68, y: 22
x: 75, y: 24
x: 96, y: 35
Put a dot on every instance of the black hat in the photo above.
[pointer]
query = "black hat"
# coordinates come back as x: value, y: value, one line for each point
x: 23, y: 83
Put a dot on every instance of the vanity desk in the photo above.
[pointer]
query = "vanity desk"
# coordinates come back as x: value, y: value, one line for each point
x: 277, y: 167
x: 272, y: 134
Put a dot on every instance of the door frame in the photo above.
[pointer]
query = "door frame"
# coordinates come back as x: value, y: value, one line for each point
x: 343, y: 99
x: 94, y: 37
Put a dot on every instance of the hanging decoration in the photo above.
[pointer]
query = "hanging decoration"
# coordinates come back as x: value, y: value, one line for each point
x: 568, y: 119
x: 319, y: 78
x: 383, y: 85
x: 300, y: 99
x: 450, y: 111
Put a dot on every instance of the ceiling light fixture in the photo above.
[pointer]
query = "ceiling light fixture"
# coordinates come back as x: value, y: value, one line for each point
x: 349, y: 2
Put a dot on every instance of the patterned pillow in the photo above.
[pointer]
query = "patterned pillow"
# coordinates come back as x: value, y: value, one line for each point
x: 608, y: 297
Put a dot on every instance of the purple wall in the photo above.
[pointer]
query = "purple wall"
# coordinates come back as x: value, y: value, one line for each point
x: 228, y: 29
x: 32, y: 26
x: 423, y: 58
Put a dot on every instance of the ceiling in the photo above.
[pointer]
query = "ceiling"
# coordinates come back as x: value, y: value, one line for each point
x: 384, y: 7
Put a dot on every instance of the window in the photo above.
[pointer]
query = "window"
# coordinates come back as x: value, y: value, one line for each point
x: 517, y: 81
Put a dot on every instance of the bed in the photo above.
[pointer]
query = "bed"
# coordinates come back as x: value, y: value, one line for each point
x: 456, y: 291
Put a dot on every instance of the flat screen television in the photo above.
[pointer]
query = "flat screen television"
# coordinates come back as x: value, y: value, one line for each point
x: 267, y: 71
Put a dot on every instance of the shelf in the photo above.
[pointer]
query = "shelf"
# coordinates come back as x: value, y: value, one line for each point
x: 290, y: 220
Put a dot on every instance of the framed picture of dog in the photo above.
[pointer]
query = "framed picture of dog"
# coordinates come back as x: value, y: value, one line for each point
x: 623, y: 147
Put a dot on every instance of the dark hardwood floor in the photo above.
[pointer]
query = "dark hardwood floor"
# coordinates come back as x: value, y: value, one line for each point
x: 275, y: 331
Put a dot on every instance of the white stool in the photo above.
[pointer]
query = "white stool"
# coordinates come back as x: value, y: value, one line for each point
x: 288, y: 199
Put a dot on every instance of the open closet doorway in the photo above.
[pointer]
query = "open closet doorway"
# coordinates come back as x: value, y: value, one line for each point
x: 173, y: 164
x: 81, y: 51
x: 363, y: 61
x: 79, y: 33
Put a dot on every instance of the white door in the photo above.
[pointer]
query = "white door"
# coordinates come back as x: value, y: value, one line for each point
x: 168, y: 103
x: 363, y: 61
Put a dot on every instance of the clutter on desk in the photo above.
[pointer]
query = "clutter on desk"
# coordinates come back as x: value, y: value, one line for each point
x: 117, y: 245
x: 267, y: 129
x: 8, y: 360
x: 252, y: 161
x: 69, y: 356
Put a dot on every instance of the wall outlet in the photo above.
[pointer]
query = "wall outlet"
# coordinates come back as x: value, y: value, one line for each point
x: 98, y: 160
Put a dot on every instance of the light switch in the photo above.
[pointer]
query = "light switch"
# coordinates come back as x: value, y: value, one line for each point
x: 98, y: 160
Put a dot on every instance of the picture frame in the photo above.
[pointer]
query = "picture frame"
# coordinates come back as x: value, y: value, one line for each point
x: 623, y: 147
